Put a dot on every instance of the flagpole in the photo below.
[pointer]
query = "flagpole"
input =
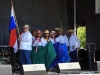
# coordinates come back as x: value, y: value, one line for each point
x: 16, y: 20
x: 61, y: 26
x: 17, y: 31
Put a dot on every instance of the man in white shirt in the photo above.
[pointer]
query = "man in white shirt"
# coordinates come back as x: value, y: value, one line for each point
x: 74, y: 44
x: 60, y: 37
x: 25, y: 45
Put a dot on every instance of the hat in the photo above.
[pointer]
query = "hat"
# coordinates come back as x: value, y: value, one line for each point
x: 71, y: 30
x: 57, y: 28
x: 26, y: 26
x: 52, y: 32
x: 38, y: 31
x: 46, y: 31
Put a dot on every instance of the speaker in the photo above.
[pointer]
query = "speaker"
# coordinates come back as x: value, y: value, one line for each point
x: 73, y: 68
x: 97, y: 54
x: 34, y: 69
x: 83, y: 59
x: 5, y: 70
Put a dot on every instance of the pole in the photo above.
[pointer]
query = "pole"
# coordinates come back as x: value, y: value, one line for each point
x: 15, y: 65
x: 15, y: 20
x: 75, y: 16
x: 61, y: 26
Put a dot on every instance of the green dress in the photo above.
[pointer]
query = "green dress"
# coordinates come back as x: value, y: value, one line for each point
x: 44, y: 55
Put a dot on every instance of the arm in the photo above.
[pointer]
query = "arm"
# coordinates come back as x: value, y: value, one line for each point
x: 77, y: 40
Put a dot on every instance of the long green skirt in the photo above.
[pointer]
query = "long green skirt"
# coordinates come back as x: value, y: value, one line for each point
x: 44, y: 55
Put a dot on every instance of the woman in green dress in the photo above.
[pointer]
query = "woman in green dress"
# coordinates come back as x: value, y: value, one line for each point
x: 47, y: 35
x: 49, y: 48
x: 42, y: 51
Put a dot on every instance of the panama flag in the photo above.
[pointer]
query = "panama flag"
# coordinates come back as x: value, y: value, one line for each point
x: 12, y: 29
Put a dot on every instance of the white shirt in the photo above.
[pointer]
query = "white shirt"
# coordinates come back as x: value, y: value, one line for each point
x: 42, y: 42
x: 26, y: 43
x: 62, y: 39
x: 74, y: 42
x: 53, y: 41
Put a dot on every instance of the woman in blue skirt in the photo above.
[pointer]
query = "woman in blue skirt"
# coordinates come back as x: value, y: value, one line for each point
x: 61, y: 50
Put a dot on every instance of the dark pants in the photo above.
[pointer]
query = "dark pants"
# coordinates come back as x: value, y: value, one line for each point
x: 25, y: 57
x: 73, y: 56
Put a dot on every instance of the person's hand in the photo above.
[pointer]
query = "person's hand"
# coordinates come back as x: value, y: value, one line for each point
x: 77, y: 48
x: 73, y: 46
x: 19, y: 39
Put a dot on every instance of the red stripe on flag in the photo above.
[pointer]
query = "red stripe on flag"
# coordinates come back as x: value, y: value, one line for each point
x: 13, y: 37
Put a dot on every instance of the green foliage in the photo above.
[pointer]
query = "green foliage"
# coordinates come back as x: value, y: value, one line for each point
x: 81, y: 34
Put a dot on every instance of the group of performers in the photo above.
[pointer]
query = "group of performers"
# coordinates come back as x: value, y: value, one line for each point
x: 49, y: 48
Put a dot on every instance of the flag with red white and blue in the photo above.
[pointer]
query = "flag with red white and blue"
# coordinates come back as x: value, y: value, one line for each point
x: 12, y: 30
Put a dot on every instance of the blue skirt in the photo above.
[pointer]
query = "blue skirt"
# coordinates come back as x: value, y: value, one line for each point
x: 65, y: 57
x: 62, y: 55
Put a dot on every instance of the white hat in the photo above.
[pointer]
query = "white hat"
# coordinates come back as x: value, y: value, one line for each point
x: 57, y: 28
x: 52, y: 32
x: 46, y: 31
x: 71, y: 30
x: 26, y: 26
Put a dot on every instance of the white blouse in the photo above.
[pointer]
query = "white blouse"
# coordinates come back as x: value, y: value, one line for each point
x: 42, y: 42
x: 53, y: 41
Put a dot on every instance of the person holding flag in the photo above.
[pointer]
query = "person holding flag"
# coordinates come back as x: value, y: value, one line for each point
x: 25, y: 45
x: 25, y: 38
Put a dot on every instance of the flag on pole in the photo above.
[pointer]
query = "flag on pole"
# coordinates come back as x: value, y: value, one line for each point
x: 12, y: 30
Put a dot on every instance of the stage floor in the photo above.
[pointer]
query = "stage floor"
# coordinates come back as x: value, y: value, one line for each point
x: 81, y: 73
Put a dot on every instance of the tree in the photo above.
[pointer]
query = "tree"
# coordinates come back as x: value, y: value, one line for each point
x: 81, y: 34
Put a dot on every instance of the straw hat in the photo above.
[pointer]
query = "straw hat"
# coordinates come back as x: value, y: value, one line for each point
x: 52, y: 32
x: 38, y: 31
x: 57, y: 28
x: 71, y: 30
x: 46, y: 31
x: 26, y: 26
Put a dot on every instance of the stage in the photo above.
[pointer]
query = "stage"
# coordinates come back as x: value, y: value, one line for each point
x: 47, y: 15
x: 81, y: 73
x: 65, y: 73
